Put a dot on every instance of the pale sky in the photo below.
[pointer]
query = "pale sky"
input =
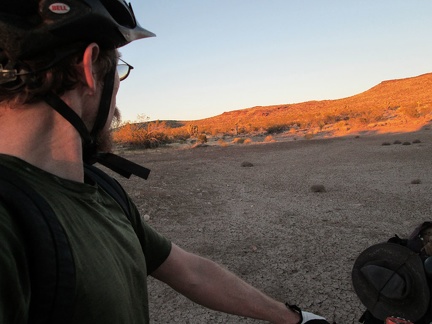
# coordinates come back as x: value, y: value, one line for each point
x: 214, y: 56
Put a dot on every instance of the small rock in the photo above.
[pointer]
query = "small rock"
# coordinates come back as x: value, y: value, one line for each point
x: 318, y: 188
x: 246, y: 164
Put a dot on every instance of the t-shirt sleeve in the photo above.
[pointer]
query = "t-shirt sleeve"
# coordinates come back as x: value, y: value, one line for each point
x: 14, y: 277
x: 155, y: 257
x: 155, y: 246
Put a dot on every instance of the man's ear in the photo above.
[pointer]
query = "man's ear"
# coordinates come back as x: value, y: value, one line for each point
x: 90, y: 56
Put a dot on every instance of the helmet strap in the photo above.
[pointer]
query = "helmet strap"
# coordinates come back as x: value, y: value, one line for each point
x: 105, y: 102
x: 90, y: 149
x: 70, y: 115
x: 90, y: 155
x: 88, y: 138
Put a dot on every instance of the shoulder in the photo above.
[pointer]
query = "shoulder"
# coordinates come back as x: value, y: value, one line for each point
x: 14, y: 275
x: 13, y: 250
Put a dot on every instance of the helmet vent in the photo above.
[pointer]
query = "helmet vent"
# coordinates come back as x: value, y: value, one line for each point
x: 120, y: 12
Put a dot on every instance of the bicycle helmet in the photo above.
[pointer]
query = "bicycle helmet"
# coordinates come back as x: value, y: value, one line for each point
x: 32, y: 27
x: 29, y: 28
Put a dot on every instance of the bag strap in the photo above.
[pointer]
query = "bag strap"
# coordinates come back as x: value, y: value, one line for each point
x: 110, y: 186
x: 115, y: 190
x: 51, y: 263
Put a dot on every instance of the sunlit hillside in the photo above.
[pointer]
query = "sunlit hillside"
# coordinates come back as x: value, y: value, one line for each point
x: 394, y: 105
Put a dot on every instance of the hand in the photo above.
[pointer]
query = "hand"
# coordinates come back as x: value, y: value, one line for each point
x: 428, y: 248
x: 306, y: 317
x: 312, y: 318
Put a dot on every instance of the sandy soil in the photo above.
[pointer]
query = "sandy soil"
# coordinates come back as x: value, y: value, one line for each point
x: 264, y: 222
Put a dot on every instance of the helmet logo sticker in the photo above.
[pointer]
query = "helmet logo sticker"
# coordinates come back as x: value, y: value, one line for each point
x: 59, y: 8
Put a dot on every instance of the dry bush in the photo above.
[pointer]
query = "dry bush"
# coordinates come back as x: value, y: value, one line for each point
x: 410, y: 111
x: 269, y: 138
x: 222, y: 143
x: 177, y: 134
x: 278, y: 128
x: 202, y: 138
x: 238, y: 140
x: 247, y: 141
x: 139, y: 135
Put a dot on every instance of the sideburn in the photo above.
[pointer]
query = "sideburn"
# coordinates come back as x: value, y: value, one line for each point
x: 104, y: 137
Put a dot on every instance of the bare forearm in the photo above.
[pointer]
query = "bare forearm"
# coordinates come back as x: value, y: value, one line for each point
x: 213, y: 286
x: 230, y: 294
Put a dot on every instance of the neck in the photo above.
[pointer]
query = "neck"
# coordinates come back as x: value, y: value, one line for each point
x: 38, y: 135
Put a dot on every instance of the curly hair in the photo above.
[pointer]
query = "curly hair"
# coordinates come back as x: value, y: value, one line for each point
x: 47, y: 77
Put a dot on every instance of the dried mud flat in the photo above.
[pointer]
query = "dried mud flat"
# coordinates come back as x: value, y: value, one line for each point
x: 264, y: 223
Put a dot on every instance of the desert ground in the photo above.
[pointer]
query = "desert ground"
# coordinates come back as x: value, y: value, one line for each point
x: 264, y: 223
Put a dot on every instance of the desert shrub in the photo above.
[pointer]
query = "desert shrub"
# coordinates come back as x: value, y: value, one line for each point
x: 269, y: 138
x: 247, y: 141
x: 416, y: 181
x: 276, y: 129
x: 241, y: 130
x: 238, y: 140
x: 424, y: 109
x: 180, y: 138
x: 385, y: 143
x: 139, y: 136
x: 331, y: 119
x: 416, y: 141
x: 180, y: 134
x: 321, y: 124
x: 202, y: 138
x: 397, y: 142
x: 150, y: 140
x: 215, y: 131
x: 406, y: 143
x: 309, y: 136
x: 222, y: 143
x: 363, y: 120
x: 410, y: 111
x: 340, y: 124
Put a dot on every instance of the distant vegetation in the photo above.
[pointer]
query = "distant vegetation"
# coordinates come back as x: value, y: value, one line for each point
x: 395, y: 101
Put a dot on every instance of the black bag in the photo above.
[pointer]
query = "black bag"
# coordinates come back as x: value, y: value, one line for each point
x: 413, y: 243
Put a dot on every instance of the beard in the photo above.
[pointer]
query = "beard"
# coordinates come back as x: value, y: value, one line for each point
x: 104, y: 137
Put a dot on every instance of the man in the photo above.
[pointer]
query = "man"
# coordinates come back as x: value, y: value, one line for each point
x: 58, y: 84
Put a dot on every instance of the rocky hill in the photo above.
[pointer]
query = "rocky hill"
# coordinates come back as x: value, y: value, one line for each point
x: 400, y: 105
x: 394, y: 104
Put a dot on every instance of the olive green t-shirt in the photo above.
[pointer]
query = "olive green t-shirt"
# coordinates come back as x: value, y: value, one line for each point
x: 111, y: 268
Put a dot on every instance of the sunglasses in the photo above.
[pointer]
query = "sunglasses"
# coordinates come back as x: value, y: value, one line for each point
x: 123, y: 69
